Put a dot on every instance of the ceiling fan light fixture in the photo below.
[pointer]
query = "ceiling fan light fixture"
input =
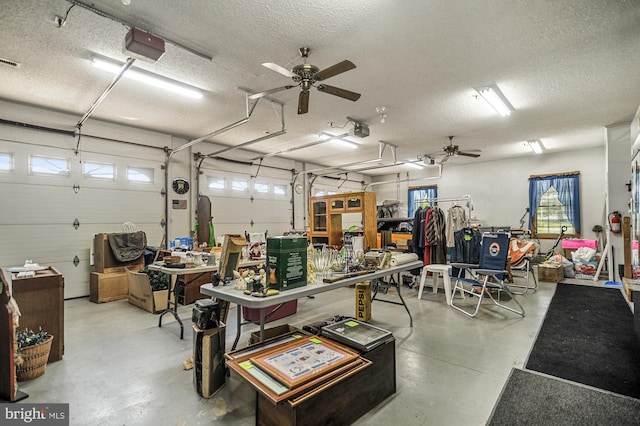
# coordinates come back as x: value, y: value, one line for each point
x: 496, y: 99
x: 536, y: 146
x: 149, y: 78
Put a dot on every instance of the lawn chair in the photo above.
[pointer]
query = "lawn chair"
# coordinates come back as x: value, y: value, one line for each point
x: 486, y: 279
x: 520, y: 256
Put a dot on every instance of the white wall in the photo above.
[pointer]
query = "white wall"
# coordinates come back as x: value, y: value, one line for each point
x: 500, y: 189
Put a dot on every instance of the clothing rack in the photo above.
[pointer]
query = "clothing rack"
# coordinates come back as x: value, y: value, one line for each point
x: 467, y: 198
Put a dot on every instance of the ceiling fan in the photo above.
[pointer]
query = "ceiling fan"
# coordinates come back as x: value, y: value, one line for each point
x: 451, y: 150
x: 306, y: 75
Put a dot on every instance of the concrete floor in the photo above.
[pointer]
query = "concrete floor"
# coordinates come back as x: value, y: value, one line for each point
x: 119, y: 368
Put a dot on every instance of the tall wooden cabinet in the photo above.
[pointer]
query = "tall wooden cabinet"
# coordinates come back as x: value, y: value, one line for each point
x: 325, y: 217
x: 41, y: 303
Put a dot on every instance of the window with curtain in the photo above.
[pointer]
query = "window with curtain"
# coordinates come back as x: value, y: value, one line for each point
x: 554, y: 202
x: 418, y: 193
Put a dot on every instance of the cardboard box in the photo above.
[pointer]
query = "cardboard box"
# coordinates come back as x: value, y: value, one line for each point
x: 141, y: 295
x: 287, y: 262
x: 209, y: 370
x: 108, y: 287
x: 550, y: 273
x: 363, y: 301
x: 287, y: 308
x: 272, y: 332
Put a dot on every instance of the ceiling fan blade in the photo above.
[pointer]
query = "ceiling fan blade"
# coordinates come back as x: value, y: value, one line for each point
x: 268, y: 92
x: 303, y: 102
x: 277, y: 68
x: 335, y: 70
x: 444, y: 160
x: 468, y: 154
x: 336, y: 91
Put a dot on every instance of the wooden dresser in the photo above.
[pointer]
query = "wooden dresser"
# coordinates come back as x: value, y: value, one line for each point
x: 41, y: 302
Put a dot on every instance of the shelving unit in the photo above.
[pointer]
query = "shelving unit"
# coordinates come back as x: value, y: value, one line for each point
x: 325, y: 217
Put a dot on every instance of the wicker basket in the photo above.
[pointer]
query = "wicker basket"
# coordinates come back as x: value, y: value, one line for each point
x: 34, y: 361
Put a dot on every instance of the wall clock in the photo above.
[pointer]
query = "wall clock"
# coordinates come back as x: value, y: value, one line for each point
x: 180, y: 185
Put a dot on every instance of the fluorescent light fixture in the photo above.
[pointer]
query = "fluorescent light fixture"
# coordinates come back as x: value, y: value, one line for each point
x: 148, y: 78
x: 496, y: 99
x: 339, y: 139
x: 413, y: 165
x: 535, y: 145
x: 345, y: 143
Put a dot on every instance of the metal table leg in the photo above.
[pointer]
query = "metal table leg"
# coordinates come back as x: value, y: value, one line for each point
x: 261, y: 325
x: 392, y: 283
x: 238, y: 326
x: 172, y: 307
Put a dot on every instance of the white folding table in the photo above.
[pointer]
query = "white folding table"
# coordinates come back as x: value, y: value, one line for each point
x: 230, y: 294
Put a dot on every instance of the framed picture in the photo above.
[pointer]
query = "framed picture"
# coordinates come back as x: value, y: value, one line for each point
x: 356, y: 334
x: 231, y: 254
x: 277, y: 392
x: 302, y: 360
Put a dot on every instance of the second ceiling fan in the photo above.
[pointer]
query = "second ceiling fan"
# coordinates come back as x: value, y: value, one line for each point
x: 451, y: 150
x: 307, y: 75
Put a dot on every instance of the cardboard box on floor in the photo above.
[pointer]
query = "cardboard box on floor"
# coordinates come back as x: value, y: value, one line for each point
x: 107, y: 287
x: 142, y: 296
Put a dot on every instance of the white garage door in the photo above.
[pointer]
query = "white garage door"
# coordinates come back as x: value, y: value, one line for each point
x: 242, y: 202
x: 51, y: 219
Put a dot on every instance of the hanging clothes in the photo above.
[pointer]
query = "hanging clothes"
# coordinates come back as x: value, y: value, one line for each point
x: 466, y: 246
x: 417, y: 241
x: 427, y: 248
x: 435, y: 236
x: 417, y: 246
x: 456, y: 220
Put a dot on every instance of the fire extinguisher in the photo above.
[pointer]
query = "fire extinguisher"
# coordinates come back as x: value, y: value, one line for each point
x: 615, y: 222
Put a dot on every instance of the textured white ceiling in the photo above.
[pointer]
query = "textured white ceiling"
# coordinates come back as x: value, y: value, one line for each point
x: 568, y: 67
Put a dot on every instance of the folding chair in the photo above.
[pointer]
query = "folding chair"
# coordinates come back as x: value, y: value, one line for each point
x: 488, y: 277
x: 520, y: 256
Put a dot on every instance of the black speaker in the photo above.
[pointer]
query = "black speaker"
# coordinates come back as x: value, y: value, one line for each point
x: 205, y: 314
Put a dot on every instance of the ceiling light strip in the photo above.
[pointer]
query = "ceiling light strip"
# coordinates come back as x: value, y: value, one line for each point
x: 496, y: 99
x: 148, y: 78
x: 535, y: 145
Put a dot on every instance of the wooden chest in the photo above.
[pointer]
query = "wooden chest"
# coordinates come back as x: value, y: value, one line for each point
x: 105, y: 261
x: 343, y: 402
x: 550, y: 273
